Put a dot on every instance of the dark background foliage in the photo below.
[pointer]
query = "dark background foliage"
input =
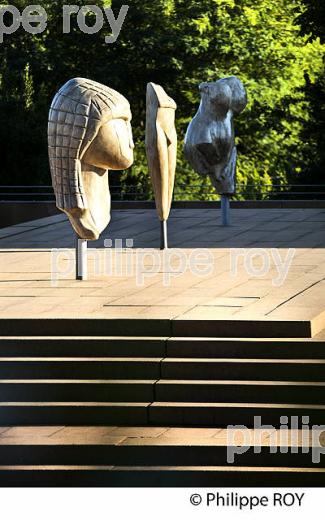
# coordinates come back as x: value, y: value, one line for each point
x: 275, y: 46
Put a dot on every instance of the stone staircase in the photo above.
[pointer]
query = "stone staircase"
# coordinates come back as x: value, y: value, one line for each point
x: 53, y: 381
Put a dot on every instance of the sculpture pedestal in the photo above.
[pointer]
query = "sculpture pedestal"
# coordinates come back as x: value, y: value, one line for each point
x: 225, y: 210
x: 81, y: 260
x: 163, y: 235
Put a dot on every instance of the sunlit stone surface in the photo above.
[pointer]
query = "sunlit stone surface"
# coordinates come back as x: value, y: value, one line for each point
x: 161, y: 146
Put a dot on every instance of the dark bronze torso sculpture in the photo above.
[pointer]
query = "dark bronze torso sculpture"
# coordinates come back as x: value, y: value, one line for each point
x: 210, y: 138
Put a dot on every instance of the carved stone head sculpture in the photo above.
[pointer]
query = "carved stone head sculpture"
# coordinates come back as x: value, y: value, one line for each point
x: 89, y: 133
x: 161, y: 146
x: 210, y: 138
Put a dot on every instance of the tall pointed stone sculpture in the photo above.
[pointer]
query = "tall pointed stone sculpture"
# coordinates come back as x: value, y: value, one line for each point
x: 210, y: 138
x: 89, y: 133
x: 161, y: 148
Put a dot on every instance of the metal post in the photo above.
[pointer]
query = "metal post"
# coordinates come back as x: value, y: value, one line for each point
x: 225, y: 210
x: 164, y: 235
x: 81, y: 260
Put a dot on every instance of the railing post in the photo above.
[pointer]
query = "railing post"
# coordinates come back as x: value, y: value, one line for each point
x: 81, y: 259
x: 163, y: 235
x: 225, y: 210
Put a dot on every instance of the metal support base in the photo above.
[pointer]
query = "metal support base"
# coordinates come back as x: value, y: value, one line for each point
x: 225, y: 210
x: 164, y: 235
x: 81, y: 260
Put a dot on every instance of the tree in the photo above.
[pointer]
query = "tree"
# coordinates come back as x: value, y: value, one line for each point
x: 179, y: 44
x: 312, y: 23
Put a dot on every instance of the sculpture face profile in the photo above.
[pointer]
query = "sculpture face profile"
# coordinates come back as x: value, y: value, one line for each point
x: 210, y: 138
x: 89, y: 133
x: 161, y: 146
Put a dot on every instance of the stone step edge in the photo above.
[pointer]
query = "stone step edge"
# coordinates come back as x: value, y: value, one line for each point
x: 58, y: 440
x: 136, y: 360
x: 249, y: 469
x: 164, y: 327
x: 185, y: 339
x: 179, y: 382
x: 158, y: 404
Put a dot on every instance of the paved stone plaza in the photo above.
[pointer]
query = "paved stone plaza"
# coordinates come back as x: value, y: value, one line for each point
x: 37, y: 282
x: 132, y: 377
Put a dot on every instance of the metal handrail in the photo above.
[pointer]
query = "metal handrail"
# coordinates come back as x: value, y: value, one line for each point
x: 36, y: 186
x: 45, y: 193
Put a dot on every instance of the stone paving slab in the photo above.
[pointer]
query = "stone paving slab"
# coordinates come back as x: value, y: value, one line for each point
x: 155, y: 436
x: 228, y: 282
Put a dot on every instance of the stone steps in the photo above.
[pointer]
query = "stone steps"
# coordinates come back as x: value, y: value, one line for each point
x: 160, y: 347
x: 66, y: 346
x: 100, y: 456
x: 155, y: 413
x: 157, y: 376
x: 240, y: 391
x: 80, y: 368
x: 163, y: 390
x: 162, y: 368
x: 142, y: 452
x: 223, y: 414
x: 159, y: 327
x: 256, y: 348
x: 243, y: 369
x: 157, y: 476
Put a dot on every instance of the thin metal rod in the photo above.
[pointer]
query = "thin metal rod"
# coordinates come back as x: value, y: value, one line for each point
x: 81, y: 260
x: 163, y: 235
x: 225, y: 210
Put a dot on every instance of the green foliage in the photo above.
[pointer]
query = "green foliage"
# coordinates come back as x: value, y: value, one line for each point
x: 313, y: 24
x: 28, y: 87
x: 274, y: 46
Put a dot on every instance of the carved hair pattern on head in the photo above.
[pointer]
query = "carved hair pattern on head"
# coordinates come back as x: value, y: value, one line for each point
x: 77, y: 113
